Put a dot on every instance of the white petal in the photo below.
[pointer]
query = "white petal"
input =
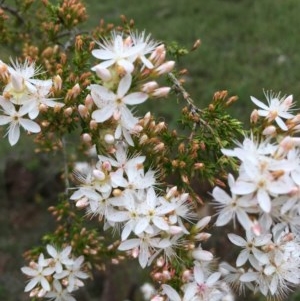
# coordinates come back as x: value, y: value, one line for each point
x: 221, y: 196
x: 242, y: 258
x: 264, y: 200
x: 124, y: 85
x: 237, y: 240
x: 249, y: 276
x: 129, y: 244
x: 170, y: 292
x: 31, y: 284
x: 30, y: 125
x: 281, y: 124
x: 13, y: 134
x: 103, y: 114
x: 224, y: 217
x: 135, y: 98
x: 213, y: 278
x: 51, y: 251
x: 259, y: 103
x: 103, y: 54
x: 5, y: 120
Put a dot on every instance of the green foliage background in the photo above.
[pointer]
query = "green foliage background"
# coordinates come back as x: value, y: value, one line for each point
x: 247, y: 45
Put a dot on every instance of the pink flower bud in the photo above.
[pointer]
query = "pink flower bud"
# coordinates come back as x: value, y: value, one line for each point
x: 86, y: 137
x: 106, y: 165
x: 103, y: 73
x: 109, y: 139
x: 203, y: 236
x: 82, y: 203
x: 83, y: 111
x: 172, y: 192
x: 57, y: 83
x: 149, y: 87
x: 165, y: 67
x: 88, y: 101
x: 269, y: 130
x: 161, y: 92
x: 98, y: 174
x: 288, y: 102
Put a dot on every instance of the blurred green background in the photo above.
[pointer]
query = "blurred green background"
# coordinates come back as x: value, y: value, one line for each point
x: 247, y: 46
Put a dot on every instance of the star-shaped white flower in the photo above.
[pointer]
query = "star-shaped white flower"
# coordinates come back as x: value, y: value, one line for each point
x: 117, y: 51
x: 278, y: 108
x: 15, y: 119
x: 115, y: 105
x: 38, y: 273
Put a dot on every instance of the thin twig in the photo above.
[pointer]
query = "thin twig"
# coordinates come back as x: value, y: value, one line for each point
x: 12, y: 11
x: 189, y: 100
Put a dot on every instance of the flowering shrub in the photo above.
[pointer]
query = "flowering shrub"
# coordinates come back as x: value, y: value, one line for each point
x: 146, y: 182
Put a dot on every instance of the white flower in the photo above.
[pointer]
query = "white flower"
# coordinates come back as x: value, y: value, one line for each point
x: 250, y: 246
x: 60, y: 258
x: 15, y: 119
x: 73, y: 274
x: 117, y: 51
x: 40, y: 96
x: 38, y: 273
x: 111, y: 104
x: 149, y: 46
x: 145, y: 244
x: 277, y: 108
x: 232, y: 207
x: 122, y: 161
x: 21, y: 83
x: 266, y: 178
x: 58, y: 293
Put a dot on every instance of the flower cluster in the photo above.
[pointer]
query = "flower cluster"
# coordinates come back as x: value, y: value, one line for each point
x: 23, y: 97
x: 267, y: 186
x: 55, y: 277
x: 273, y: 258
x: 121, y: 192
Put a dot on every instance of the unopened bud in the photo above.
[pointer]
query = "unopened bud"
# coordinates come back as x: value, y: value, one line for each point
x: 171, y: 193
x: 98, y: 174
x: 159, y: 147
x: 83, y: 111
x: 82, y: 203
x: 93, y: 124
x: 43, y: 107
x: 117, y: 192
x: 88, y: 102
x: 109, y: 139
x: 196, y: 45
x: 254, y: 116
x: 269, y: 130
x: 202, y: 236
x: 199, y: 165
x: 143, y: 139
x: 186, y: 275
x: 57, y: 83
x: 165, y: 67
x: 86, y: 137
x: 149, y: 87
x: 161, y: 92
x: 68, y: 112
x: 103, y: 73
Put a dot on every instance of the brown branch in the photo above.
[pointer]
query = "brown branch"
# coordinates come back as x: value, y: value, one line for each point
x: 12, y: 11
